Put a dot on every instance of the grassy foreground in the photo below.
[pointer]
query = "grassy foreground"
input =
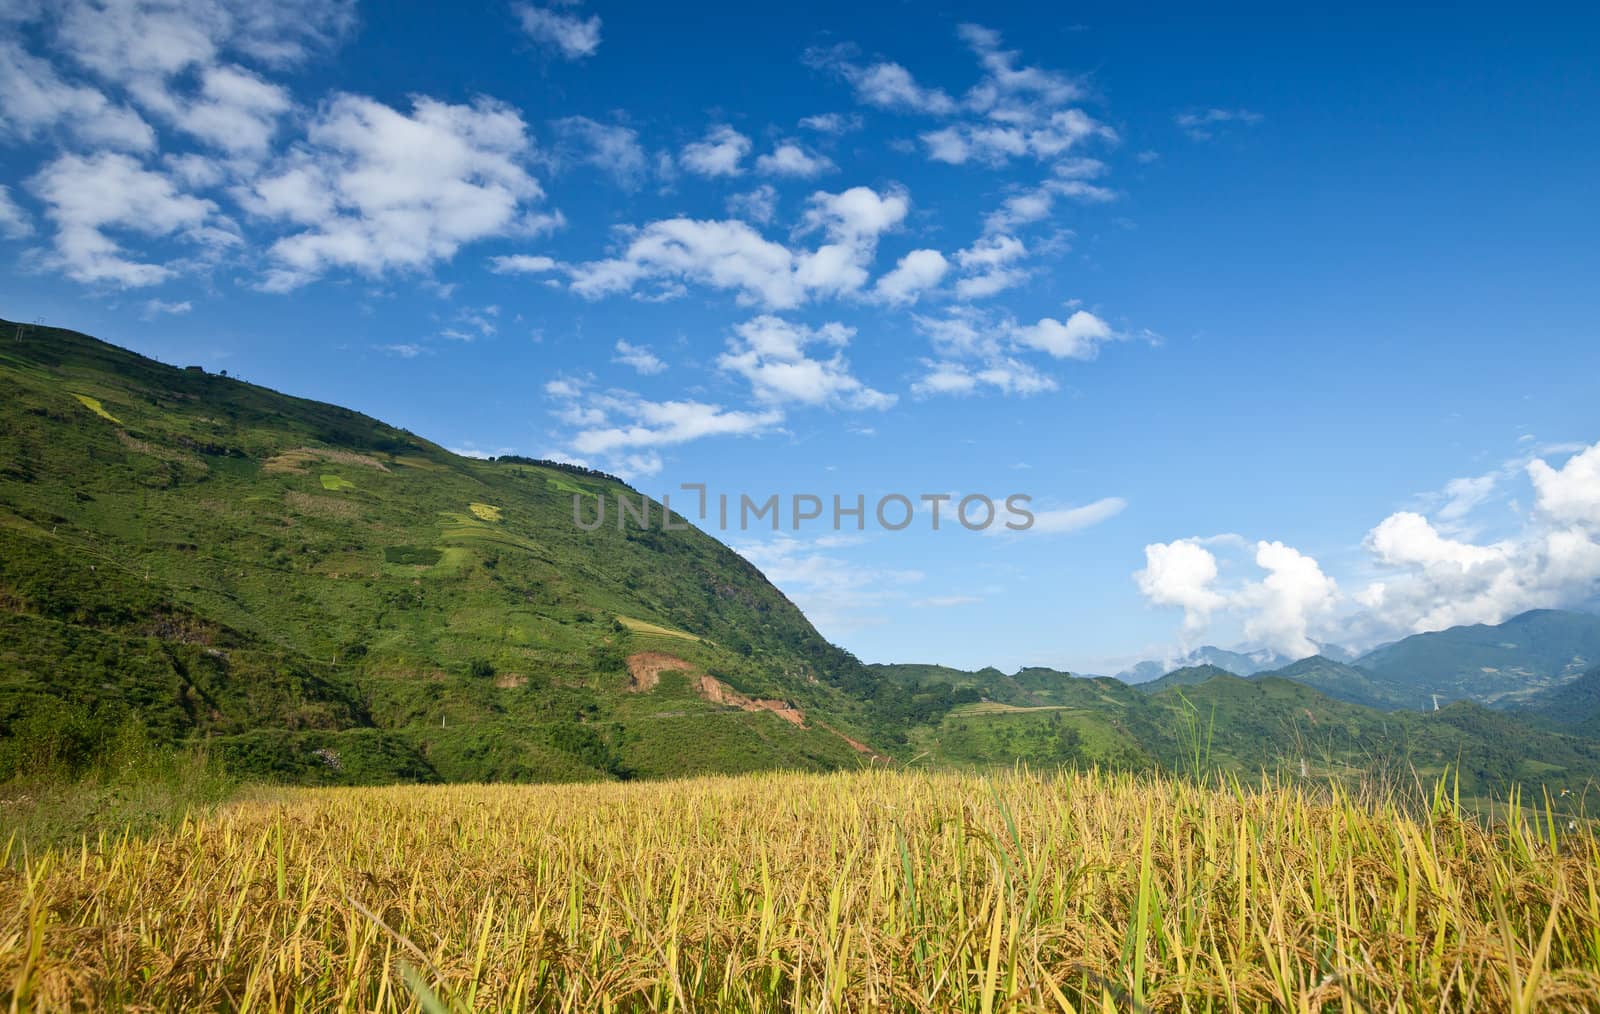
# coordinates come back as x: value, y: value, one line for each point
x: 871, y: 890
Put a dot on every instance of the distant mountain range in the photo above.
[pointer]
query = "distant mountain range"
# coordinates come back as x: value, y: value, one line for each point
x: 1240, y: 662
x: 1506, y: 665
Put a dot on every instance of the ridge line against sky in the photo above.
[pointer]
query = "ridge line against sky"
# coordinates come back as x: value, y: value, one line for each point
x: 1227, y: 295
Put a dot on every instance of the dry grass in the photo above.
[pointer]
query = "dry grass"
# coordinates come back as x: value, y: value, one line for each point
x: 867, y: 891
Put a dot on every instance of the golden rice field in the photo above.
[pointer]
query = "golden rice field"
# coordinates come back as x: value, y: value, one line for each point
x: 866, y: 891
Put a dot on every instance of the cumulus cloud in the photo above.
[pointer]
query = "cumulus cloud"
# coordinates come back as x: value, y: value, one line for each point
x: 638, y: 358
x: 375, y: 189
x: 1427, y: 579
x: 615, y: 424
x: 1292, y: 599
x: 979, y: 350
x: 1040, y: 137
x: 87, y: 198
x: 1182, y: 573
x: 1432, y: 581
x: 831, y: 123
x: 1570, y: 494
x: 567, y: 35
x: 916, y: 273
x: 732, y: 255
x: 790, y: 159
x: 770, y: 353
x: 719, y: 153
x: 523, y: 264
x: 990, y: 266
x: 1078, y: 337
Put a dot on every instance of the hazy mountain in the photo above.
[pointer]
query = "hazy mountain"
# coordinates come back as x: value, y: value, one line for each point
x: 1240, y: 663
x: 1187, y: 676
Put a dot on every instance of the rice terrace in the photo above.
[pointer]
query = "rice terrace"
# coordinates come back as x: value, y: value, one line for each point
x: 842, y: 508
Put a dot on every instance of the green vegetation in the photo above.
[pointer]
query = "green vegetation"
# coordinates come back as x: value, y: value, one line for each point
x: 318, y: 596
x: 307, y: 595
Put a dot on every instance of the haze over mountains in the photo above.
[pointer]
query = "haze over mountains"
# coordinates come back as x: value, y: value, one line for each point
x: 320, y: 597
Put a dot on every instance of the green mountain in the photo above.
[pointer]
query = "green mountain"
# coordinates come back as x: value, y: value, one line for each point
x: 1574, y: 706
x: 1263, y: 723
x: 324, y: 598
x: 1187, y: 676
x: 328, y: 598
x: 1501, y: 665
x: 1346, y: 683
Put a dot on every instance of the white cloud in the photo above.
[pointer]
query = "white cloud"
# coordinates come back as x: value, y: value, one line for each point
x: 1001, y: 373
x: 916, y: 273
x: 1464, y: 494
x: 180, y: 61
x: 1426, y: 579
x: 609, y: 147
x: 789, y: 159
x: 1068, y: 518
x: 771, y: 354
x: 568, y: 35
x: 158, y: 308
x: 989, y: 266
x: 832, y: 123
x: 1202, y: 125
x: 34, y: 98
x: 138, y: 42
x: 1182, y: 573
x: 523, y: 264
x: 638, y: 357
x: 404, y: 351
x: 14, y: 222
x: 236, y: 111
x: 1009, y: 92
x: 87, y: 197
x: 759, y: 206
x: 884, y: 85
x: 1037, y: 203
x: 378, y: 189
x: 1291, y: 600
x: 731, y: 255
x: 718, y: 154
x: 1078, y: 337
x: 1014, y: 111
x: 662, y: 423
x: 995, y: 144
x: 1570, y: 494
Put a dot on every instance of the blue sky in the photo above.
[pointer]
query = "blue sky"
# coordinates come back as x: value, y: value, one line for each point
x: 1285, y: 322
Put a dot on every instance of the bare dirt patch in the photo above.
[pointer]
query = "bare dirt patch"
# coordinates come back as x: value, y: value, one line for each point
x: 646, y: 667
x: 510, y: 680
x: 718, y: 692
